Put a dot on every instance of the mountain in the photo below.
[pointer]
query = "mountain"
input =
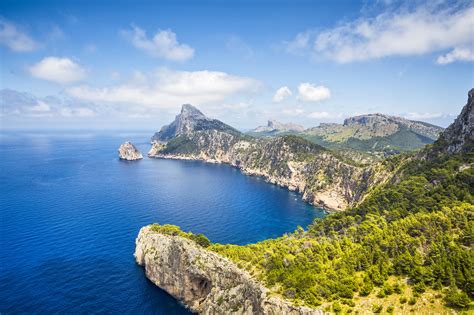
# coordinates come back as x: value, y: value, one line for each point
x: 322, y: 178
x: 375, y: 134
x: 460, y: 134
x: 189, y: 120
x: 405, y: 247
x: 274, y: 127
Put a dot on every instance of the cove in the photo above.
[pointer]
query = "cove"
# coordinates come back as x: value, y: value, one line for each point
x: 70, y: 212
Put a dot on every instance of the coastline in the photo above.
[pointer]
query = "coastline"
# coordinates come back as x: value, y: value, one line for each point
x: 249, y: 172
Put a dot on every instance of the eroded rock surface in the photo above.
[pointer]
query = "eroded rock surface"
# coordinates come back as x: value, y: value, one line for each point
x: 127, y: 151
x: 204, y: 281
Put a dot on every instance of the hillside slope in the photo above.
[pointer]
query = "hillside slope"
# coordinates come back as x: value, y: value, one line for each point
x: 322, y: 178
x: 406, y: 248
x: 375, y: 134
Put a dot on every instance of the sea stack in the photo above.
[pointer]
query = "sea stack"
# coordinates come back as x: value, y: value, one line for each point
x: 129, y: 152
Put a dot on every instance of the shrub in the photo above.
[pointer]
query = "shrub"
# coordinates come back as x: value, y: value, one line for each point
x: 376, y: 308
x: 456, y: 298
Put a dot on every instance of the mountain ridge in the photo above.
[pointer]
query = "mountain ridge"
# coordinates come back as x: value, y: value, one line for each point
x: 189, y: 120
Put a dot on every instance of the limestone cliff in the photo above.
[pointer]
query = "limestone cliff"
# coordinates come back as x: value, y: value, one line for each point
x: 127, y: 151
x: 316, y: 173
x: 190, y: 119
x: 204, y: 281
x: 460, y: 134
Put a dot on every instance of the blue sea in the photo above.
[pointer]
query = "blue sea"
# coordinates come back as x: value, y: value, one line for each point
x: 71, y: 210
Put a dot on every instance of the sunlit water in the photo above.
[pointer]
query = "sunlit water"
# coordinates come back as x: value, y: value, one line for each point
x: 70, y: 212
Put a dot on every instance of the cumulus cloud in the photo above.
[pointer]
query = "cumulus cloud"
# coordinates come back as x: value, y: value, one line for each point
x: 405, y: 32
x: 170, y: 88
x: 457, y: 54
x: 312, y: 93
x: 59, y: 70
x: 163, y: 44
x: 14, y: 38
x: 281, y: 94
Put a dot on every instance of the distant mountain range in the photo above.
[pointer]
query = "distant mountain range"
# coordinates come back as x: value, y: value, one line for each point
x: 374, y: 133
x: 274, y: 127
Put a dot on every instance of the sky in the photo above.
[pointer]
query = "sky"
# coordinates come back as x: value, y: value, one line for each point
x: 132, y: 64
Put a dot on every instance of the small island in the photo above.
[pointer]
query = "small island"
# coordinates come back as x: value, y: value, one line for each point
x: 129, y: 152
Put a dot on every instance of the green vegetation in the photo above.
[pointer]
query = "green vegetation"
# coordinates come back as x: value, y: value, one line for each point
x: 174, y: 230
x: 414, y: 234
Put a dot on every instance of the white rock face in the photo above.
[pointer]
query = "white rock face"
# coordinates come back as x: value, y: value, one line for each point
x: 204, y: 281
x: 129, y: 152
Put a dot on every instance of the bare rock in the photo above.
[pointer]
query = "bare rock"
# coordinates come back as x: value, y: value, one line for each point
x: 129, y: 152
x: 204, y: 281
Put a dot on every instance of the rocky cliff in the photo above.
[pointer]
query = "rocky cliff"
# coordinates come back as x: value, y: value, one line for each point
x: 460, y: 134
x: 376, y: 134
x: 189, y: 120
x: 205, y: 282
x: 317, y: 174
x: 127, y: 151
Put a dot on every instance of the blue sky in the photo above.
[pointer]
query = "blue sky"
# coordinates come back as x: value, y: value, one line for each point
x: 123, y: 64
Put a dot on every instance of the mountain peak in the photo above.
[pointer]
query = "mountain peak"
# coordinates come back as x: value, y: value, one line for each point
x: 190, y: 109
x: 188, y: 121
x: 460, y: 134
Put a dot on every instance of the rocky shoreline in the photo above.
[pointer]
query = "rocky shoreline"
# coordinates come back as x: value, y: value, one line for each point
x: 330, y: 200
x: 204, y: 281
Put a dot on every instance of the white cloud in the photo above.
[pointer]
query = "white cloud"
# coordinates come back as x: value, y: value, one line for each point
x: 41, y: 107
x: 319, y: 115
x: 164, y: 44
x: 457, y: 54
x: 424, y: 29
x: 15, y: 39
x: 312, y: 93
x: 170, y: 89
x: 281, y: 94
x: 421, y: 116
x: 60, y: 70
x: 293, y: 111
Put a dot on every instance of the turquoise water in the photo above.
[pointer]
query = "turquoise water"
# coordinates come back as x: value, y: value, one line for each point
x: 70, y: 212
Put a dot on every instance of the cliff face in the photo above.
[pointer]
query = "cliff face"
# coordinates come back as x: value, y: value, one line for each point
x: 127, y: 151
x: 189, y: 120
x: 321, y: 178
x: 460, y: 133
x: 204, y: 281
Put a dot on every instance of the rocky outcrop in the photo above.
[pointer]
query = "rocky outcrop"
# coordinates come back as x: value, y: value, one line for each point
x: 275, y: 127
x: 460, y: 134
x: 383, y: 125
x: 204, y: 281
x: 320, y: 177
x: 189, y: 120
x: 375, y: 134
x: 127, y: 151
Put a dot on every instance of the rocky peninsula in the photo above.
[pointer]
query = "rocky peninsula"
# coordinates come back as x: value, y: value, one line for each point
x: 204, y: 281
x: 127, y: 151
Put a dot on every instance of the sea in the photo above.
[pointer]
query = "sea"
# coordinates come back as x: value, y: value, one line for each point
x: 70, y: 211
